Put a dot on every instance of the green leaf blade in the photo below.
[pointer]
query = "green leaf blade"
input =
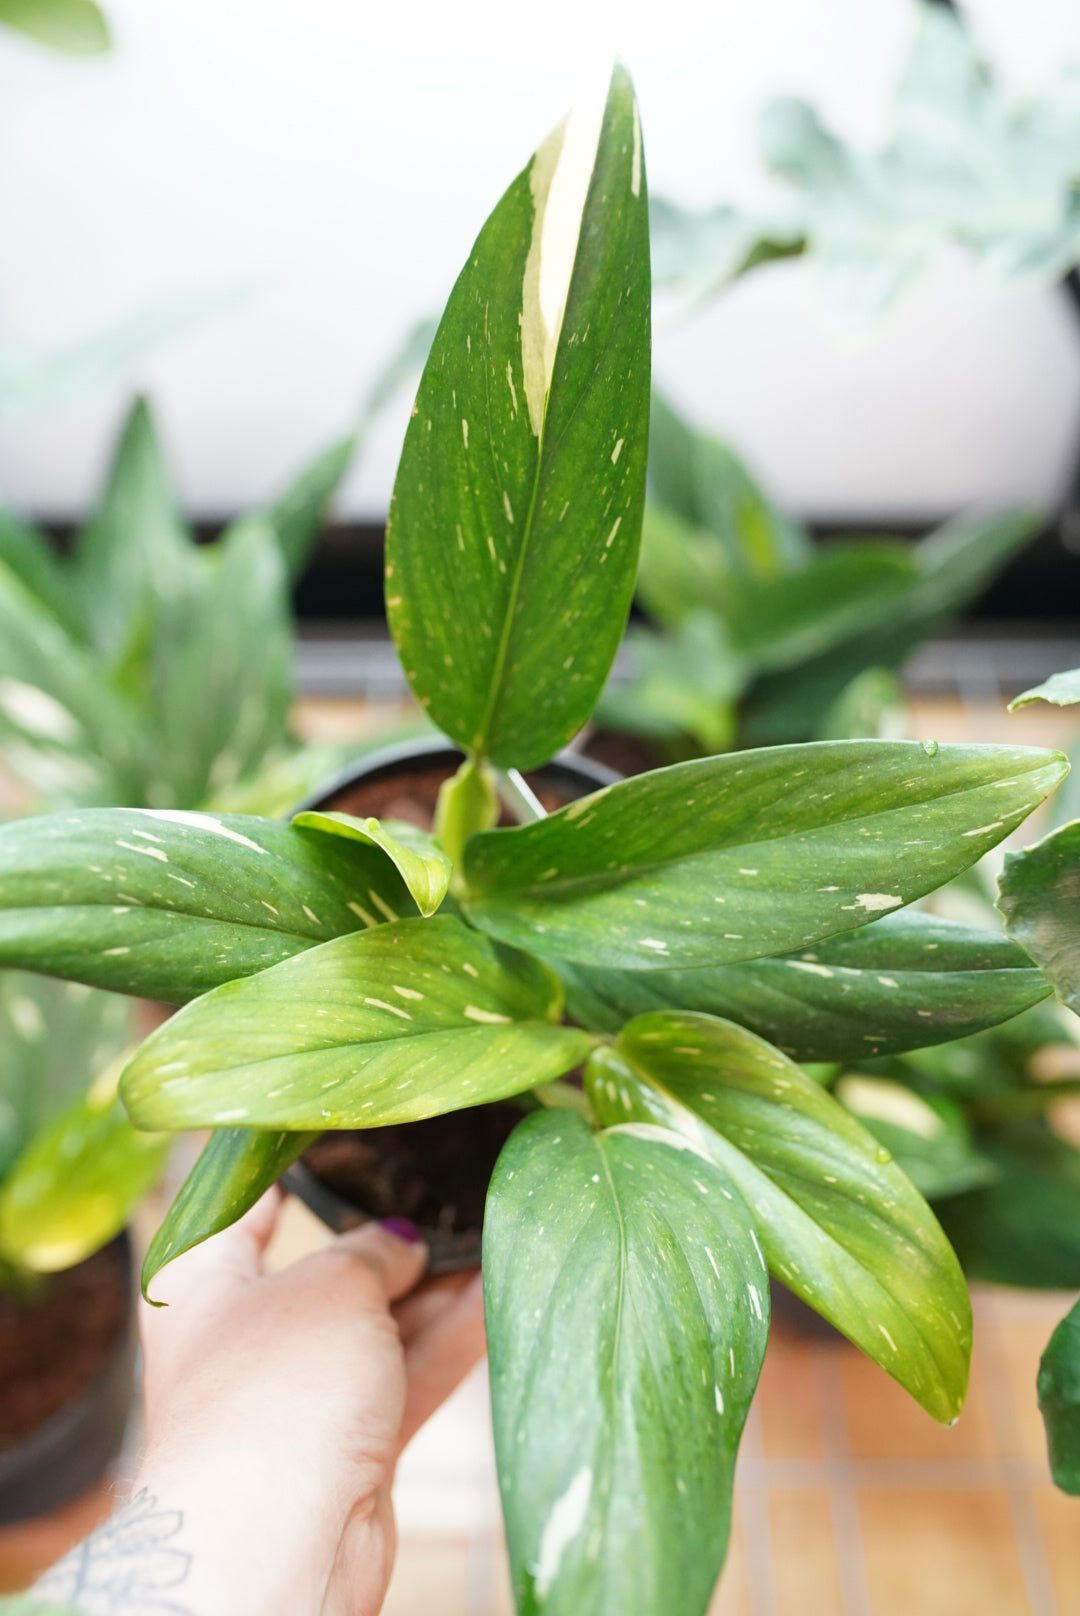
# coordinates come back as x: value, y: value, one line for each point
x: 907, y: 981
x: 236, y: 1166
x: 389, y: 1025
x: 419, y: 861
x: 167, y: 903
x: 624, y: 1352
x: 1059, y: 1401
x: 521, y: 485
x: 841, y: 1225
x: 733, y: 858
x: 1061, y: 689
x: 1039, y: 895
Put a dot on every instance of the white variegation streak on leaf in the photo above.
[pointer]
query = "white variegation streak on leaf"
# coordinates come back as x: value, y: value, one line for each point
x: 559, y: 182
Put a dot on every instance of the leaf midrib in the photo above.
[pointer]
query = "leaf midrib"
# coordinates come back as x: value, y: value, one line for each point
x: 677, y: 1106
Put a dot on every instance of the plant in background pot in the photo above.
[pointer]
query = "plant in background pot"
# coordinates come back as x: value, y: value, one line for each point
x: 72, y: 1168
x: 760, y: 636
x: 352, y: 972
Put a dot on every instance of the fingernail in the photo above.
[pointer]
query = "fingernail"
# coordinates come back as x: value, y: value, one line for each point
x: 402, y: 1229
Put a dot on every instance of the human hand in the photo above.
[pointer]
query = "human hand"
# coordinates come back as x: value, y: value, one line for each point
x: 277, y: 1406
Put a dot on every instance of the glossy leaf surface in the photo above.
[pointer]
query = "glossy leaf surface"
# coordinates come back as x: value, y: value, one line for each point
x: 394, y: 1024
x: 627, y: 1315
x: 1059, y: 1401
x: 1061, y: 689
x: 76, y: 1185
x: 513, y: 533
x: 1039, y: 895
x: 840, y: 1223
x: 423, y: 867
x: 908, y: 980
x: 236, y: 1166
x: 733, y: 858
x: 167, y: 903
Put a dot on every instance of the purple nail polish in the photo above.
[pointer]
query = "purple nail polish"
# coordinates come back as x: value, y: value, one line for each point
x: 402, y: 1229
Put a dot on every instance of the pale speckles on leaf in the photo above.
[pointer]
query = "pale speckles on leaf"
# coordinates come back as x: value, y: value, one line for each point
x: 611, y: 536
x: 148, y: 852
x: 616, y: 452
x: 488, y: 1018
x: 362, y: 914
x: 465, y: 431
x: 508, y: 508
x: 382, y: 906
x: 394, y: 1009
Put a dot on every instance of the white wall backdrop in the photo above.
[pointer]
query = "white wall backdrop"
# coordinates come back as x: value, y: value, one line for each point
x: 331, y: 161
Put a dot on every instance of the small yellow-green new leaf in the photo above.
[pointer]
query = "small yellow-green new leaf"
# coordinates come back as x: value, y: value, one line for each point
x: 75, y: 1186
x: 423, y: 866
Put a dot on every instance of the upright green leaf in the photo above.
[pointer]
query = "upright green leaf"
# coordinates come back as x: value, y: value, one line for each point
x: 76, y: 1184
x: 167, y: 903
x: 75, y: 27
x: 236, y: 1166
x: 734, y: 858
x: 702, y: 481
x: 513, y: 533
x: 135, y: 551
x: 398, y: 1023
x: 682, y: 569
x: 1062, y: 689
x: 840, y: 1223
x: 54, y: 1036
x: 1059, y: 1401
x: 627, y: 1315
x: 37, y: 565
x: 1039, y: 895
x: 416, y: 856
x: 907, y: 980
x: 221, y: 668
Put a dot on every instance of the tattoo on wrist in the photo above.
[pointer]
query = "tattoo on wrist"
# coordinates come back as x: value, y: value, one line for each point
x: 129, y: 1567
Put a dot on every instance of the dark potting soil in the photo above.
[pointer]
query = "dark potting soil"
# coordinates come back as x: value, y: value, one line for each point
x: 411, y: 795
x: 52, y: 1349
x: 435, y: 1172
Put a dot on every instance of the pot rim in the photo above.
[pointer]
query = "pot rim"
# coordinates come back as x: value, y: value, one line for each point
x: 387, y: 760
x: 448, y: 1253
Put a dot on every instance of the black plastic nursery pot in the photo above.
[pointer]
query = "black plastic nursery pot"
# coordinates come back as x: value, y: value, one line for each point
x: 435, y: 1173
x: 67, y: 1383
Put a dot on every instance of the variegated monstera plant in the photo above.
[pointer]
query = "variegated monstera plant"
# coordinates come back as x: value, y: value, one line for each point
x: 345, y: 974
